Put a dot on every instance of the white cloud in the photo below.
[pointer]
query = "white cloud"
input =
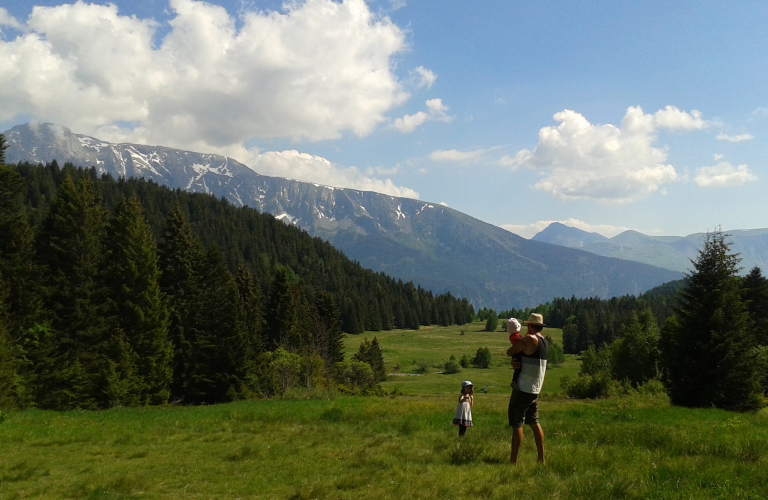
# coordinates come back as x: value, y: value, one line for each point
x: 8, y: 20
x: 760, y: 112
x: 582, y: 161
x: 723, y: 174
x: 454, y: 156
x: 426, y: 77
x: 310, y: 168
x: 313, y: 71
x: 734, y: 138
x: 674, y: 119
x: 436, y: 111
x: 531, y: 230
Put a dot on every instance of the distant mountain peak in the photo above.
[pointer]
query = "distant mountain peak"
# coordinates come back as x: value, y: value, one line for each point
x: 558, y: 233
x: 427, y: 243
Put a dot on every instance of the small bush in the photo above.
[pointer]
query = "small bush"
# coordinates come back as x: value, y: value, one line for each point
x: 452, y: 366
x: 590, y: 387
x: 422, y: 367
x: 465, y: 361
x: 482, y: 358
x: 653, y: 387
x: 556, y: 354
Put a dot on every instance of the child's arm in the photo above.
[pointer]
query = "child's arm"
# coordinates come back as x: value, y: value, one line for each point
x: 471, y: 401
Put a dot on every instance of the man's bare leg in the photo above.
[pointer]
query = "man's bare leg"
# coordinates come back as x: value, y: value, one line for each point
x: 517, y: 439
x: 538, y: 436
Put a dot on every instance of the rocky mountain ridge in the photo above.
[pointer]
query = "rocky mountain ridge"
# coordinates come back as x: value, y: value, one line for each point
x: 433, y: 245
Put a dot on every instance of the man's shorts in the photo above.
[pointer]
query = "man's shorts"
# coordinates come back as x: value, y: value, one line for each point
x: 523, y: 409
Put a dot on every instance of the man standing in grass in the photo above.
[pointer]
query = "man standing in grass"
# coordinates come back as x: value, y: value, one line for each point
x: 523, y: 404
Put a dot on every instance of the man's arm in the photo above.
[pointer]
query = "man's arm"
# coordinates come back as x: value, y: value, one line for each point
x: 528, y: 344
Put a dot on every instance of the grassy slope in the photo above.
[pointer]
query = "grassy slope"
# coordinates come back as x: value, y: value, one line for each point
x: 372, y: 447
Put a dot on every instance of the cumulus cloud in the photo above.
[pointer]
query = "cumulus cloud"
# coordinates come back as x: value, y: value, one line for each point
x: 583, y: 161
x: 311, y: 72
x: 531, y: 230
x: 311, y: 168
x: 454, y: 156
x: 426, y: 78
x: 436, y: 111
x: 734, y: 138
x: 7, y: 20
x: 723, y: 174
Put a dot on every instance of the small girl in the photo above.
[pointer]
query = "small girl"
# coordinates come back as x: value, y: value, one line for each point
x: 463, y: 416
x: 513, y: 329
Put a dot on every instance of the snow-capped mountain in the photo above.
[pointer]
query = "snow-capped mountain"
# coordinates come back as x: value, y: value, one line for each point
x: 438, y: 247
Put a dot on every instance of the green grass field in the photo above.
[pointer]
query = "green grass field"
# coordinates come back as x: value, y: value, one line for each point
x: 389, y: 447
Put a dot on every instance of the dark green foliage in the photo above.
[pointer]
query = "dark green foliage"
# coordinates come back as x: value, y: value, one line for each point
x: 70, y: 247
x: 589, y: 386
x: 709, y: 353
x: 328, y: 340
x: 755, y: 295
x: 95, y: 315
x: 452, y: 366
x: 136, y: 308
x: 556, y: 357
x: 482, y: 358
x: 465, y: 361
x: 492, y: 322
x: 595, y: 362
x: 3, y: 147
x: 635, y: 357
x: 357, y: 375
x: 370, y: 352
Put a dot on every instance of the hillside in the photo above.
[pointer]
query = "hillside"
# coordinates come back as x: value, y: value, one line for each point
x: 669, y: 252
x: 432, y: 245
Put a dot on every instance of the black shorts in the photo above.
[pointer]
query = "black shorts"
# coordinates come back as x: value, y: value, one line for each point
x: 523, y: 409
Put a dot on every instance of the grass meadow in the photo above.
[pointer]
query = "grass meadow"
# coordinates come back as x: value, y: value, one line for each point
x: 404, y: 446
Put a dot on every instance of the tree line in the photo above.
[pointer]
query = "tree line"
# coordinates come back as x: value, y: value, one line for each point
x: 123, y: 292
x: 712, y: 350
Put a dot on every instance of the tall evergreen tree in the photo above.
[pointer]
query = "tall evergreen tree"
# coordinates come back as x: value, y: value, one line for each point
x: 708, y: 352
x: 370, y: 352
x: 135, y: 305
x: 755, y: 293
x: 17, y: 264
x: 3, y: 147
x: 180, y: 280
x: 253, y: 308
x: 328, y: 340
x: 70, y: 247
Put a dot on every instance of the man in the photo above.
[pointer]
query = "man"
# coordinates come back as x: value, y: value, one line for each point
x: 523, y: 404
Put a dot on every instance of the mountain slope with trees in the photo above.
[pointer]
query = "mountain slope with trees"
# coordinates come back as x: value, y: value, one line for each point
x: 125, y: 293
x: 427, y: 243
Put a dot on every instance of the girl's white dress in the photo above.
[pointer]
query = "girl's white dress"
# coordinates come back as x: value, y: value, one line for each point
x: 463, y: 414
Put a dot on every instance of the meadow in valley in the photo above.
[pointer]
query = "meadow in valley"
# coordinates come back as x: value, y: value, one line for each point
x: 399, y: 444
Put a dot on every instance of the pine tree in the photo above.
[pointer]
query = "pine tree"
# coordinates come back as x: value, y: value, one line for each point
x: 282, y: 316
x: 3, y: 147
x: 219, y: 352
x: 253, y: 308
x: 709, y: 354
x: 493, y: 321
x: 328, y: 337
x: 135, y: 305
x: 635, y: 356
x: 70, y: 246
x: 755, y: 293
x: 180, y: 281
x: 370, y: 352
x: 17, y: 264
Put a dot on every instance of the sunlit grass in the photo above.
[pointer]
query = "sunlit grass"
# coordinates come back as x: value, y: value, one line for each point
x: 388, y: 447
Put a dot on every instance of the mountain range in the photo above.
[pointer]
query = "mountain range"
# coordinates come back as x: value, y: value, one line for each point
x: 668, y: 252
x: 427, y: 243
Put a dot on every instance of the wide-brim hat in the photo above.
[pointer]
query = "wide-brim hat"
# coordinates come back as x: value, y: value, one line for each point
x: 535, y: 319
x: 466, y: 383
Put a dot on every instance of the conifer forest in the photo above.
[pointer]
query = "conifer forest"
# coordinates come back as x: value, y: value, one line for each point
x: 125, y: 293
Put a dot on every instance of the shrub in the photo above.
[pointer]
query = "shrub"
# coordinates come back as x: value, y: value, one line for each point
x: 556, y: 354
x: 492, y: 322
x: 422, y: 367
x: 653, y: 387
x: 590, y: 386
x: 465, y: 361
x: 452, y: 366
x: 354, y: 374
x: 595, y: 362
x: 482, y: 358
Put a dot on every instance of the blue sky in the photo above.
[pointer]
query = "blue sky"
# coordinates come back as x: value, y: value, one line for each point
x: 609, y: 115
